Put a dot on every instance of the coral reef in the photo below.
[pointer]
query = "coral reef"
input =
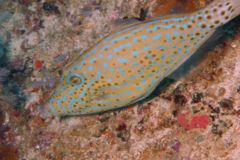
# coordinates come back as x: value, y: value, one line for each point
x: 194, y: 117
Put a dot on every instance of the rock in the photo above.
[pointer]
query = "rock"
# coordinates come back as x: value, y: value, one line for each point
x: 50, y: 7
x: 8, y: 152
x: 226, y: 103
x: 197, y: 97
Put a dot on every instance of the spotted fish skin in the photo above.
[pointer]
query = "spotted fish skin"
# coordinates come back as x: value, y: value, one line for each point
x: 126, y: 66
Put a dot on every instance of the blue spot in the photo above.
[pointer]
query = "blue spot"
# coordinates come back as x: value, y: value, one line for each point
x: 138, y: 88
x: 150, y: 56
x: 180, y: 59
x: 151, y: 29
x: 100, y: 56
x: 150, y: 75
x: 135, y: 40
x: 153, y: 82
x: 157, y: 37
x: 132, y: 78
x: 164, y: 27
x: 152, y: 22
x: 110, y: 79
x: 108, y: 38
x: 93, y: 60
x: 182, y: 41
x: 179, y: 50
x: 150, y: 66
x: 79, y: 67
x: 90, y: 68
x: 175, y: 33
x: 192, y: 17
x: 173, y: 55
x: 143, y: 82
x: 122, y: 47
x: 122, y: 72
x: 135, y: 63
x: 111, y: 69
x: 116, y: 87
x: 85, y: 74
x: 143, y: 37
x: 157, y: 27
x: 161, y: 47
x: 169, y: 38
x: 52, y: 108
x: 134, y: 53
x: 147, y: 48
x: 105, y: 65
x: 126, y: 45
x: 174, y: 19
x: 163, y: 57
x: 83, y: 62
x: 116, y: 49
x: 122, y: 60
x: 121, y: 38
x: 137, y: 30
x: 141, y: 73
x: 110, y: 56
x: 161, y: 67
x: 105, y: 47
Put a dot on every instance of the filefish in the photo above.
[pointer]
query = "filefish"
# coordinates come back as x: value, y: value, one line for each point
x: 126, y: 66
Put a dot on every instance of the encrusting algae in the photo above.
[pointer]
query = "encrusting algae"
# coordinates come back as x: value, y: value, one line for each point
x: 128, y: 65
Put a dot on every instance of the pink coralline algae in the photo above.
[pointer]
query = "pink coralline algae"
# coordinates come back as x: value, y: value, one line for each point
x: 198, y: 121
x: 38, y: 64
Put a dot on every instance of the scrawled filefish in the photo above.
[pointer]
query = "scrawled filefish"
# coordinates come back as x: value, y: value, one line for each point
x: 127, y: 66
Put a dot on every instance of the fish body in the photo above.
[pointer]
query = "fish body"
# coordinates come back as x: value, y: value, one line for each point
x: 127, y: 66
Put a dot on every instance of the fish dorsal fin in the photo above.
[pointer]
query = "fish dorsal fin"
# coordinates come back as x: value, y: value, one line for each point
x: 121, y: 24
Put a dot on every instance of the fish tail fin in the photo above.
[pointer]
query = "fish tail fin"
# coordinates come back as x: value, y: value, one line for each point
x: 219, y: 12
x: 236, y: 8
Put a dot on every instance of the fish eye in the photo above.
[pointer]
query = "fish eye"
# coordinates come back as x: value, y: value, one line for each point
x: 74, y: 79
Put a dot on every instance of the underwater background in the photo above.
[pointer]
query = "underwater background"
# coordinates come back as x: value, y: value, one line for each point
x: 194, y: 114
